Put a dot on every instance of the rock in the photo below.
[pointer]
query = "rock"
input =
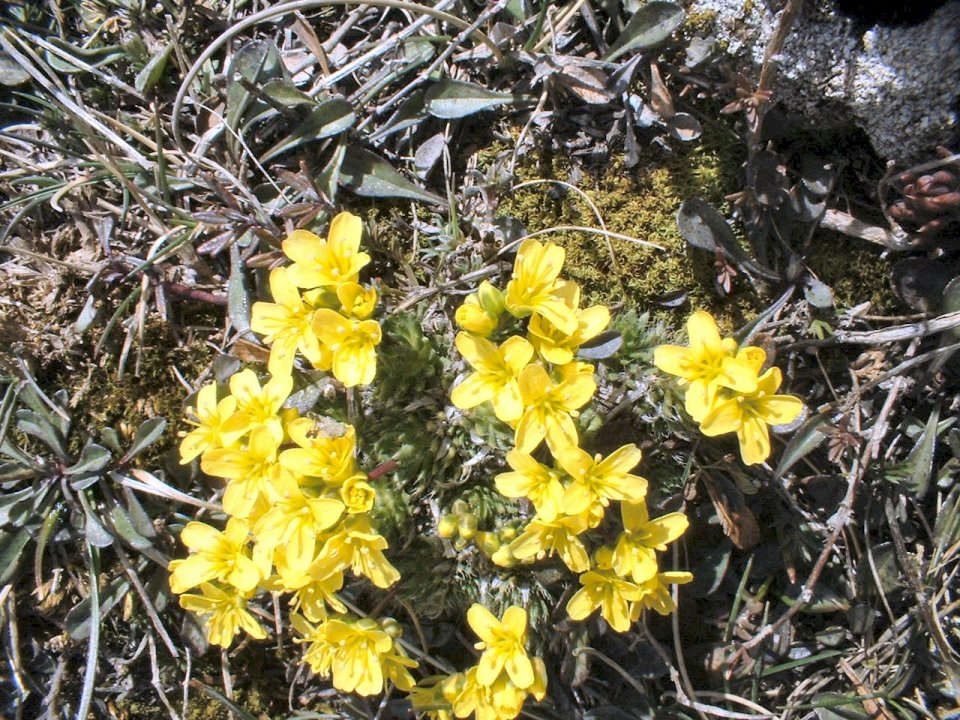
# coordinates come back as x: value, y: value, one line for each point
x: 897, y: 82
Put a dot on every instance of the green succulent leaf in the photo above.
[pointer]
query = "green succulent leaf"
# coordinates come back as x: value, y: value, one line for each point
x: 329, y: 118
x: 451, y: 99
x: 369, y: 175
x: 93, y: 458
x: 649, y: 26
x: 148, y: 433
x: 11, y: 552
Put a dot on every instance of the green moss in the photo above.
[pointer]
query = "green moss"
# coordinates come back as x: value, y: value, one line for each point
x: 854, y: 269
x: 641, y: 202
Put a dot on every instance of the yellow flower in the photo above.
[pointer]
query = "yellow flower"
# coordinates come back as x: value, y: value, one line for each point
x: 480, y: 312
x: 541, y: 539
x: 253, y: 471
x: 217, y: 556
x: 532, y: 289
x: 322, y: 455
x: 256, y: 406
x: 428, y: 699
x: 358, y: 653
x: 558, y: 347
x: 313, y: 589
x: 227, y: 611
x: 468, y: 696
x: 295, y: 523
x: 549, y: 406
x: 748, y: 415
x: 320, y: 650
x: 327, y: 264
x: 502, y: 643
x: 353, y: 344
x: 357, y: 494
x: 210, y: 416
x: 356, y: 301
x: 603, y: 589
x: 356, y: 545
x: 532, y: 480
x: 635, y: 553
x: 656, y: 595
x: 599, y: 480
x: 708, y: 364
x: 356, y: 661
x: 286, y: 326
x: 495, y: 379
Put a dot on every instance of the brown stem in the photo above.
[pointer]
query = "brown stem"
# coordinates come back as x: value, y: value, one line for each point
x: 192, y: 293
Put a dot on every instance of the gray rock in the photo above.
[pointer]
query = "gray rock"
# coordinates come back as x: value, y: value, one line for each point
x: 900, y: 84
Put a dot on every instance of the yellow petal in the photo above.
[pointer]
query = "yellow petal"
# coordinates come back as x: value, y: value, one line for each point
x: 779, y: 409
x: 672, y: 359
x: 515, y: 621
x: 301, y: 246
x: 482, y: 622
x: 704, y: 335
x: 507, y: 402
x: 520, y: 670
x: 725, y: 418
x: 738, y: 376
x: 475, y: 389
x: 530, y: 431
x: 754, y: 441
x: 245, y: 575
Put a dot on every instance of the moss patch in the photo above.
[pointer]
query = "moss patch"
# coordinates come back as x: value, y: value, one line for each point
x: 641, y: 202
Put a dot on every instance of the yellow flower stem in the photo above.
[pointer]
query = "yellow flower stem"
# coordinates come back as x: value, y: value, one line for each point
x: 351, y: 406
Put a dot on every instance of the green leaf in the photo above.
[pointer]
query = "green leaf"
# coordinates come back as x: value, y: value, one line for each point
x: 11, y: 74
x: 602, y: 346
x: 410, y: 113
x: 153, y: 70
x: 96, y: 534
x: 93, y: 458
x: 329, y: 178
x: 285, y: 93
x: 93, y: 56
x: 257, y: 62
x: 648, y: 27
x: 13, y: 471
x: 368, y: 175
x: 17, y: 508
x: 803, y: 442
x: 703, y: 227
x: 11, y: 552
x: 327, y: 119
x: 451, y: 99
x: 33, y: 424
x: 921, y: 456
x: 147, y: 434
x: 124, y: 527
x: 77, y: 622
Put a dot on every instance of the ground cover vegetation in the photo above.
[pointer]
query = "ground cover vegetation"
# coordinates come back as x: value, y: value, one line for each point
x: 391, y: 360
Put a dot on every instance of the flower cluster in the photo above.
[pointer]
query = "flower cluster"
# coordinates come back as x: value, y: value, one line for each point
x: 329, y: 322
x: 725, y: 391
x: 536, y: 385
x: 298, y: 505
x: 496, y: 687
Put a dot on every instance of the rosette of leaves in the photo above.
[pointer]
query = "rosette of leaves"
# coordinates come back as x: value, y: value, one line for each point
x: 54, y: 495
x: 65, y: 499
x: 930, y: 207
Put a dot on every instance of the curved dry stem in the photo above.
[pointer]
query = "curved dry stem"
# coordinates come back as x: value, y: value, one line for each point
x: 270, y: 13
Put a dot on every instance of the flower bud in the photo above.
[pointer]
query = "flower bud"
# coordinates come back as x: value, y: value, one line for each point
x: 467, y: 526
x: 447, y: 527
x: 391, y: 627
